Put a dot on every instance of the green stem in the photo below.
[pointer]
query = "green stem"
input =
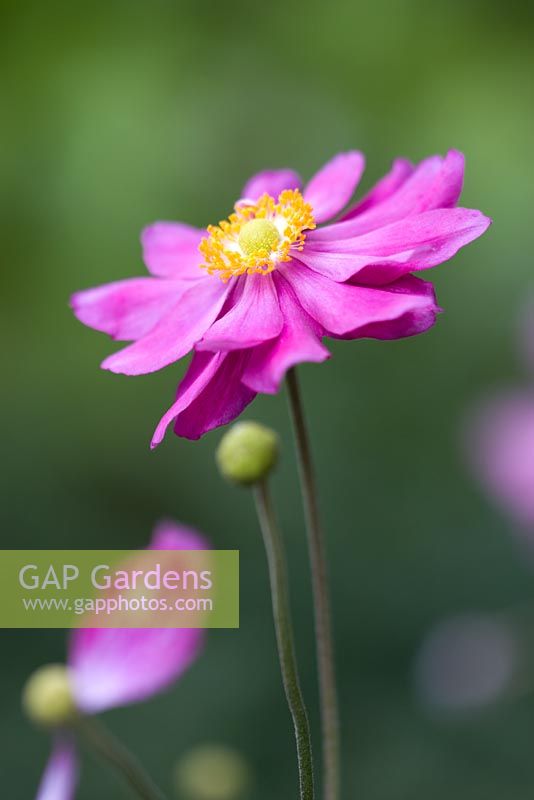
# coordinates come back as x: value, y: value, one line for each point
x: 284, y: 636
x: 105, y: 745
x: 323, y: 625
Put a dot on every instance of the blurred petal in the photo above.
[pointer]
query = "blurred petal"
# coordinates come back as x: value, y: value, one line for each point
x: 170, y: 250
x: 60, y: 777
x: 466, y: 662
x: 254, y: 317
x: 299, y: 341
x: 403, y: 308
x: 500, y: 448
x: 127, y: 310
x: 168, y: 535
x: 116, y: 667
x: 271, y: 182
x: 176, y: 333
x: 331, y: 188
x: 381, y: 256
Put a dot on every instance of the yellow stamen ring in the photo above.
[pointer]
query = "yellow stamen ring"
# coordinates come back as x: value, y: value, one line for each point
x: 257, y: 236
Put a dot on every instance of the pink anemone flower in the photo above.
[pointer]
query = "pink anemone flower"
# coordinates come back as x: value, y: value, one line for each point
x: 255, y: 294
x: 111, y: 667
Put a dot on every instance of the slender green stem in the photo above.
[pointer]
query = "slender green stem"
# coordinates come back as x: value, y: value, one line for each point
x: 105, y: 745
x: 284, y: 636
x: 323, y: 625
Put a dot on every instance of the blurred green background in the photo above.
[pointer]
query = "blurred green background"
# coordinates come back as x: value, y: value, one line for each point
x: 116, y: 113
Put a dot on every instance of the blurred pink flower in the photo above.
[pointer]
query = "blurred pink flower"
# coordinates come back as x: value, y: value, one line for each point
x: 500, y: 448
x: 61, y: 775
x: 112, y: 667
x: 256, y: 294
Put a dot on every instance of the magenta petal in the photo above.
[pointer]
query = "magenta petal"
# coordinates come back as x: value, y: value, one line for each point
x: 299, y: 341
x: 176, y: 333
x: 331, y: 188
x: 60, y: 777
x: 381, y: 256
x: 448, y: 184
x: 211, y: 394
x: 170, y: 250
x: 222, y: 400
x: 386, y: 186
x: 271, y: 182
x: 116, y: 667
x: 168, y: 535
x: 400, y: 309
x: 434, y: 183
x: 398, y: 317
x: 254, y: 317
x: 127, y: 310
x: 201, y: 370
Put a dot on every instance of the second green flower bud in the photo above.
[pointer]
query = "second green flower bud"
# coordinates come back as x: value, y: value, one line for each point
x: 247, y: 453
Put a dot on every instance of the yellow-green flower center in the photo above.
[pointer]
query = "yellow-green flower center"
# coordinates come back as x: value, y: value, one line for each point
x: 259, y: 236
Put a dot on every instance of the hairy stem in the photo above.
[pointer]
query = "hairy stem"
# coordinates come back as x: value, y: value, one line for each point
x: 284, y: 637
x: 323, y: 625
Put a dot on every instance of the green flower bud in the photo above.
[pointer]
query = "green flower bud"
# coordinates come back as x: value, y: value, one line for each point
x: 48, y: 698
x: 247, y: 453
x: 212, y: 772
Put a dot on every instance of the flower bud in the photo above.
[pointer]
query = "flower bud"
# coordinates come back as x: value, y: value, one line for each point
x: 48, y: 698
x: 247, y: 453
x: 212, y: 772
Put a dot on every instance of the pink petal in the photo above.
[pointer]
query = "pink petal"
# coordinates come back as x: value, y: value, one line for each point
x: 400, y: 309
x: 386, y: 186
x: 299, y: 341
x: 176, y: 333
x: 271, y: 182
x: 253, y: 318
x: 211, y: 394
x: 448, y: 185
x: 127, y: 309
x: 331, y: 188
x: 381, y: 256
x: 222, y: 400
x: 60, y: 777
x: 116, y: 667
x: 500, y: 448
x: 398, y: 317
x: 170, y: 250
x: 435, y: 183
x: 201, y: 370
x: 168, y: 535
